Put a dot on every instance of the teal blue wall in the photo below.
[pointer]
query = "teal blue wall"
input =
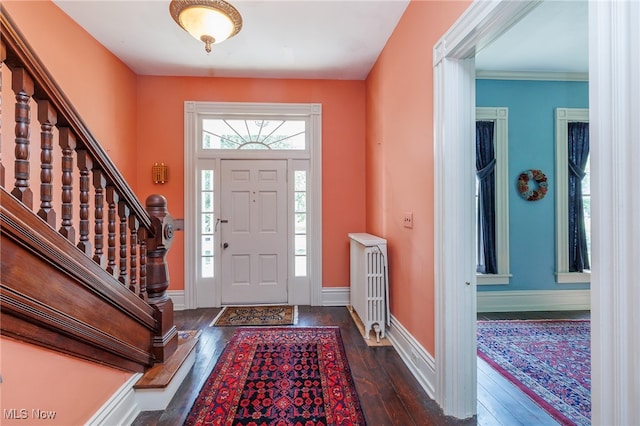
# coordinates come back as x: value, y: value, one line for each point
x: 532, y: 107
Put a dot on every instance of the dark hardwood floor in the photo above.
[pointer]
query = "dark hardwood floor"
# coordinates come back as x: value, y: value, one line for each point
x: 389, y: 394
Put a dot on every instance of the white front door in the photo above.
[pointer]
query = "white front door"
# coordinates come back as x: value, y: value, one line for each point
x: 253, y: 213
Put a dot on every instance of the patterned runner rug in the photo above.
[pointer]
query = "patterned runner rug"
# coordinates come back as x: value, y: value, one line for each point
x: 256, y: 315
x: 548, y: 360
x: 280, y: 376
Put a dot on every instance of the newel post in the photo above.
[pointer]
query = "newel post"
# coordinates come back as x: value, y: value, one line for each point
x: 165, y: 340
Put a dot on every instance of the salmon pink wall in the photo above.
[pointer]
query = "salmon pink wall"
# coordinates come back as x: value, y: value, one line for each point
x: 101, y: 88
x: 399, y: 160
x: 161, y: 134
x: 39, y: 379
x: 98, y: 84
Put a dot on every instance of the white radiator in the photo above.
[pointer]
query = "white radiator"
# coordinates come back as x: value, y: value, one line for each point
x: 370, y: 282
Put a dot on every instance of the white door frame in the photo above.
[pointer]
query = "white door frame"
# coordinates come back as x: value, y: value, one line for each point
x: 454, y: 160
x: 614, y: 129
x: 301, y: 291
x: 613, y: 33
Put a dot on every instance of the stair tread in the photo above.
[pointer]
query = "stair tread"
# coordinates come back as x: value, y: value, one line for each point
x: 160, y: 375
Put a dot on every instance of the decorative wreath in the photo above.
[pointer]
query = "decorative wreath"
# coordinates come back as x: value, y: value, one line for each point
x: 532, y: 194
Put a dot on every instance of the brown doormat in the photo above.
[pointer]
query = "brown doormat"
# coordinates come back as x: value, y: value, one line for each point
x: 371, y: 341
x: 256, y: 315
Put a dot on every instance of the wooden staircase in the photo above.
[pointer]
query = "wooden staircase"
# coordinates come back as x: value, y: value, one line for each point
x: 83, y: 261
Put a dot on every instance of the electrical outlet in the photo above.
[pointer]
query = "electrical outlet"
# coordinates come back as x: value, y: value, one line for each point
x: 408, y: 220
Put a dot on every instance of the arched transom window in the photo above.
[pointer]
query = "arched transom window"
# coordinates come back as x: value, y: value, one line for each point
x: 248, y: 134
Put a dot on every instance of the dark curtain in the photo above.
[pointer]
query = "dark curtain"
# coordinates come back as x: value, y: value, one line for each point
x: 578, y: 156
x: 486, y: 176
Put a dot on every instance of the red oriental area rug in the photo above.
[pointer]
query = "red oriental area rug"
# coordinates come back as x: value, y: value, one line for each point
x: 549, y: 360
x: 297, y: 376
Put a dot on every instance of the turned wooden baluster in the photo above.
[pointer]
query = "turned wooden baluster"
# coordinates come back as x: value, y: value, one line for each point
x: 99, y: 183
x: 3, y: 56
x: 112, y: 201
x: 48, y: 118
x: 165, y: 340
x: 123, y: 213
x: 85, y: 164
x: 22, y: 85
x: 68, y: 145
x: 142, y: 237
x: 133, y: 253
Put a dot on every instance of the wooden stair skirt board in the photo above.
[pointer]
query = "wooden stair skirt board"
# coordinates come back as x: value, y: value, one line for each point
x: 159, y: 384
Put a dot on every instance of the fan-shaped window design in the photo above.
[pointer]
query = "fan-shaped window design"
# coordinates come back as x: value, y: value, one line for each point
x: 254, y: 134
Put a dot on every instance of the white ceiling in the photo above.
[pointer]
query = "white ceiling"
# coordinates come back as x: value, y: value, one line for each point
x: 321, y: 39
x: 279, y: 39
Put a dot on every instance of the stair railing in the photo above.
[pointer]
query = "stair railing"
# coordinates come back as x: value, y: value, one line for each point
x: 90, y: 205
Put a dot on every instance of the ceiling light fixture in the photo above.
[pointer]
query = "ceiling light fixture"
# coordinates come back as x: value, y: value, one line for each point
x: 211, y: 21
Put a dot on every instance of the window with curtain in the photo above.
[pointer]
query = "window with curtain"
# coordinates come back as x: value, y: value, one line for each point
x: 573, y: 196
x: 578, y: 153
x: 492, y: 199
x: 486, y: 199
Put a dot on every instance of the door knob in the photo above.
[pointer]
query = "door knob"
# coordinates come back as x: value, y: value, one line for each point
x: 225, y: 245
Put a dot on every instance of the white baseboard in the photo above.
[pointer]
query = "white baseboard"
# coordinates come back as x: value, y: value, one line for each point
x: 121, y: 408
x: 420, y: 362
x: 331, y: 296
x: 534, y: 300
x: 124, y: 406
x: 177, y: 296
x: 336, y: 296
